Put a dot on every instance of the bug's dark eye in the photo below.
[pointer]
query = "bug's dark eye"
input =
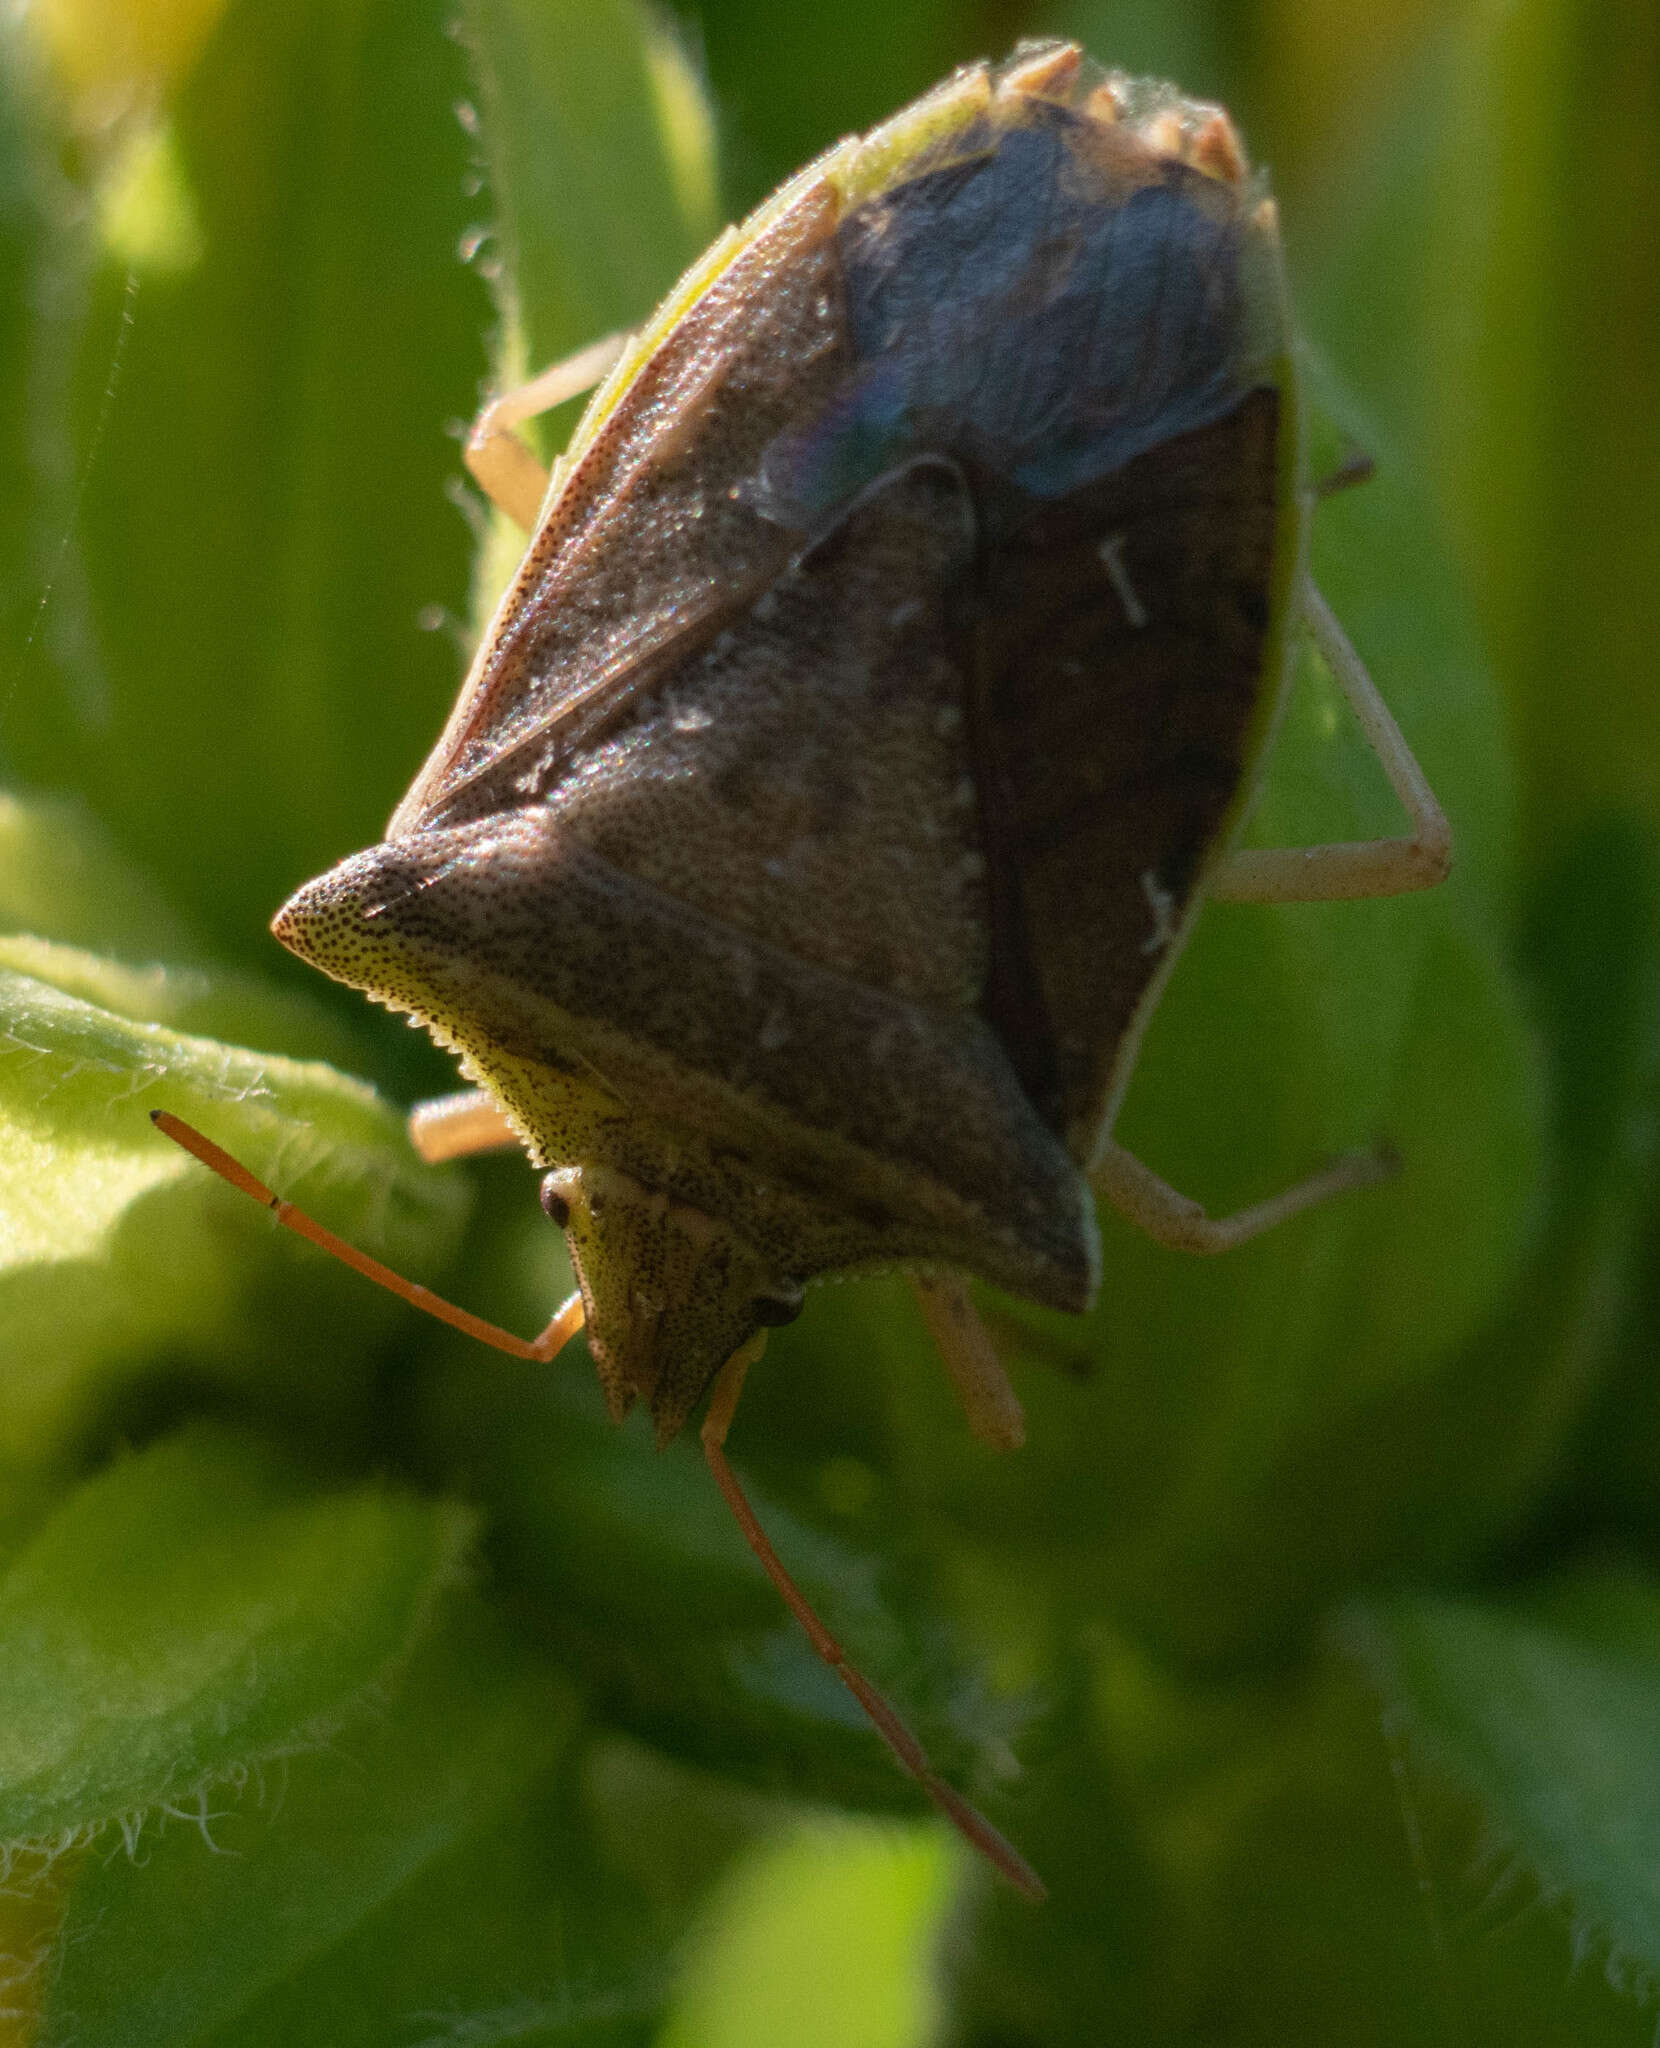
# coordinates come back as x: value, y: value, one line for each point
x: 555, y: 1204
x: 772, y: 1311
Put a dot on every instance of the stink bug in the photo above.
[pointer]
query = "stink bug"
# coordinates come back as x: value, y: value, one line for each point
x: 880, y: 696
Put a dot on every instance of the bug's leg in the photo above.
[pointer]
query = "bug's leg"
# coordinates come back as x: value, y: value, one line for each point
x: 457, y: 1126
x: 503, y: 465
x: 1353, y: 868
x: 969, y: 1822
x: 1173, y: 1219
x: 964, y: 1343
x: 566, y: 1321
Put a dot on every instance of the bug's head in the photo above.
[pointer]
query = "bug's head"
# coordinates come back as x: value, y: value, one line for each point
x: 670, y: 1292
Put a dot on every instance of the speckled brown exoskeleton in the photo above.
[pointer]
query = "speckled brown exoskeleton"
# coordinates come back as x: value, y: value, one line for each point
x: 880, y: 696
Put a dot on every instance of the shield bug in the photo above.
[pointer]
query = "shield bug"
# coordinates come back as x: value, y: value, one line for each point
x: 881, y: 694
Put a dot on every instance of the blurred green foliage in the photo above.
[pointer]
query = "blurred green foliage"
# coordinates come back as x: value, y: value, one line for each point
x: 358, y: 1687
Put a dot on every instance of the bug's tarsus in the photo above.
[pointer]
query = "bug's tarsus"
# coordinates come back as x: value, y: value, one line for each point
x: 564, y: 1324
x: 964, y: 1343
x: 967, y: 1819
x: 1174, y: 1219
x: 1349, y: 869
x: 504, y: 466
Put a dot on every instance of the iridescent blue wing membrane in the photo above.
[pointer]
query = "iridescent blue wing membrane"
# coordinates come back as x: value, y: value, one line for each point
x: 1050, y: 304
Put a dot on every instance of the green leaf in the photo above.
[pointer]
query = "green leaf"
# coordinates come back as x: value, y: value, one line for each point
x: 122, y: 1261
x: 422, y: 1875
x: 1545, y: 1707
x: 258, y: 434
x: 62, y: 878
x: 791, y: 80
x: 586, y: 116
x: 1592, y: 943
x: 1196, y: 43
x: 197, y: 1610
x: 1261, y: 1860
x: 1476, y: 269
x: 1050, y: 1977
x: 857, y: 1908
x: 72, y: 907
x: 599, y: 151
x: 40, y: 248
x: 1298, y: 1827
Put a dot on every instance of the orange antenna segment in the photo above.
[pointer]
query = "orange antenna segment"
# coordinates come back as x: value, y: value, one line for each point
x: 969, y: 1822
x: 566, y: 1321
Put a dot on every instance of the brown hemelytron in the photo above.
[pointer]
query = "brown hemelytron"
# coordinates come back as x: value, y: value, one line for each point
x: 880, y: 696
